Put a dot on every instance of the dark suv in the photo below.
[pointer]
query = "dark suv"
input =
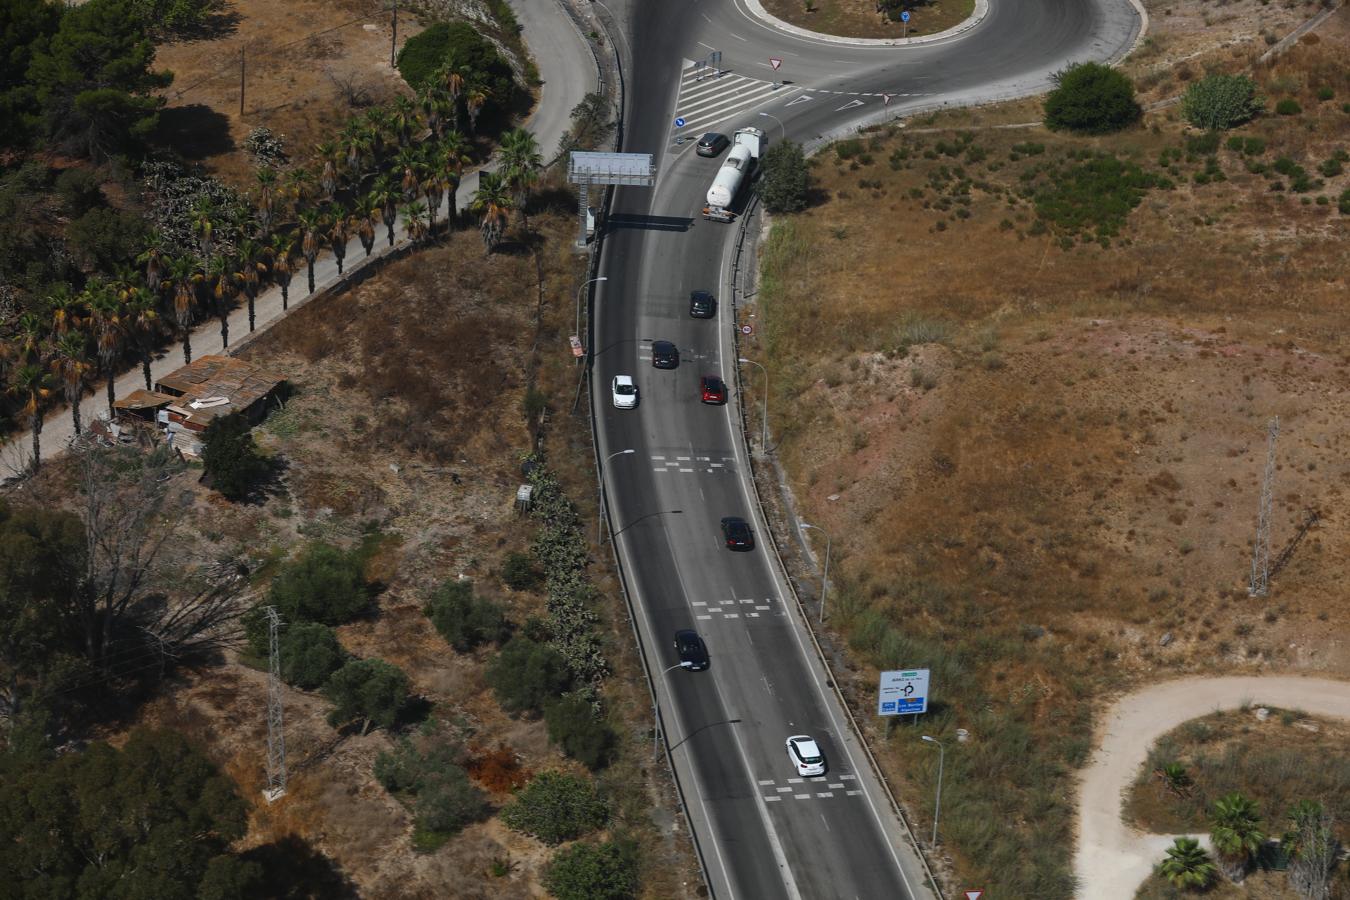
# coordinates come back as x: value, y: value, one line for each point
x: 712, y: 143
x: 693, y: 652
x: 737, y: 533
x: 702, y: 305
x: 665, y: 355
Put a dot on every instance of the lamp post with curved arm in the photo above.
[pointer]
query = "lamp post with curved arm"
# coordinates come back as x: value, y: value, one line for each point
x: 581, y: 288
x: 937, y: 807
x: 764, y: 416
x: 600, y: 510
x: 824, y: 581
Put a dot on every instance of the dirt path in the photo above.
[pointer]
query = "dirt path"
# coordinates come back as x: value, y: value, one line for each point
x: 1114, y: 859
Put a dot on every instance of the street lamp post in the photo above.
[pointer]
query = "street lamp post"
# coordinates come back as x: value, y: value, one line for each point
x: 656, y: 721
x: 937, y: 807
x: 764, y: 416
x: 825, y: 581
x: 577, y: 332
x: 600, y: 510
x: 780, y: 124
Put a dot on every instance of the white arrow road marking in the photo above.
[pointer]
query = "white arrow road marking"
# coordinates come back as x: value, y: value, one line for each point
x: 850, y: 105
x: 802, y: 99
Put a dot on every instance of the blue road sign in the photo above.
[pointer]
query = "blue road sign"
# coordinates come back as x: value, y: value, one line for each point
x: 904, y: 16
x: 903, y: 693
x: 679, y: 122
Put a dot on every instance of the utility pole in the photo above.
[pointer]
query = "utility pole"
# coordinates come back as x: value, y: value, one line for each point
x: 241, y: 82
x: 393, y: 41
x: 276, y: 736
x: 1260, y: 580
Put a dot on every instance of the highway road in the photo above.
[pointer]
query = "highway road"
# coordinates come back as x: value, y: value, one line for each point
x: 762, y: 831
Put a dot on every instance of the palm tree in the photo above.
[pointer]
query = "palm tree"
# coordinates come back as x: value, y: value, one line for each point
x: 32, y: 384
x: 281, y: 256
x: 451, y: 157
x: 140, y: 319
x: 1187, y: 865
x: 327, y: 154
x: 434, y: 185
x: 378, y: 126
x: 1174, y: 777
x: 409, y: 162
x: 453, y: 79
x: 1312, y: 848
x: 492, y: 202
x: 109, y: 332
x: 252, y: 267
x: 299, y: 184
x: 363, y: 217
x: 435, y: 104
x: 67, y: 309
x: 415, y: 221
x: 386, y: 195
x: 1236, y: 834
x: 311, y: 227
x: 222, y: 274
x: 403, y: 117
x: 474, y: 101
x: 355, y: 144
x: 70, y: 360
x: 267, y: 186
x: 182, y: 273
x: 521, y: 164
x: 153, y: 260
x: 203, y: 223
x: 339, y: 233
x: 29, y: 332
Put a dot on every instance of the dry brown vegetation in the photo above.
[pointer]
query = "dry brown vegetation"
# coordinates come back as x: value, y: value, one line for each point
x: 1040, y: 456
x: 860, y: 18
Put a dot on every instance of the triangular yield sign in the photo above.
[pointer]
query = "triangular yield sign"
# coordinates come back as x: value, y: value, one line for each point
x: 974, y: 895
x: 775, y: 62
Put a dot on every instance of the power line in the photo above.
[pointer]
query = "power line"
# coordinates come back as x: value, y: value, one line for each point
x: 276, y: 736
x: 1260, y: 580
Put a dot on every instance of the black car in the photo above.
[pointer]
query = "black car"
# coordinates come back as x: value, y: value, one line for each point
x: 665, y: 355
x: 702, y: 305
x: 712, y: 144
x: 693, y: 653
x: 737, y: 533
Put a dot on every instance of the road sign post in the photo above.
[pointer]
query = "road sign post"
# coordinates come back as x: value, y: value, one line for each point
x: 903, y: 692
x: 904, y: 24
x: 775, y: 62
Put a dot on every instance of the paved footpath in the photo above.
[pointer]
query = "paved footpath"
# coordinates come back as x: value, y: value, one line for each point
x: 567, y: 69
x: 1113, y: 858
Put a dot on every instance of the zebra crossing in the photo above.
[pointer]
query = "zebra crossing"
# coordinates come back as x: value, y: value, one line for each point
x: 736, y: 608
x: 802, y: 789
x: 707, y: 465
x: 709, y: 97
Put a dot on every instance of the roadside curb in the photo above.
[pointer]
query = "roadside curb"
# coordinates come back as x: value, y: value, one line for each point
x: 981, y: 11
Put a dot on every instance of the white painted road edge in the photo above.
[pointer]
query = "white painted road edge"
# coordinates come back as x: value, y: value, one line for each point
x: 758, y: 11
x: 1113, y: 858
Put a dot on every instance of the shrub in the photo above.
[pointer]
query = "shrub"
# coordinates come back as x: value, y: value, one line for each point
x: 1218, y: 102
x: 575, y: 726
x: 1343, y: 202
x: 787, y: 179
x: 448, y: 802
x: 324, y: 585
x: 310, y: 653
x: 1288, y: 107
x: 79, y: 190
x: 1202, y: 144
x: 593, y: 872
x: 1325, y: 93
x: 457, y: 45
x: 1097, y: 194
x: 430, y: 771
x: 104, y: 238
x: 230, y: 457
x: 465, y: 621
x: 847, y: 149
x: 368, y: 689
x: 1091, y: 98
x: 526, y: 674
x: 519, y: 572
x: 555, y: 807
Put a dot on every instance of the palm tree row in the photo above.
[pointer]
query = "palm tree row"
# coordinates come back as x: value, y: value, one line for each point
x: 397, y: 160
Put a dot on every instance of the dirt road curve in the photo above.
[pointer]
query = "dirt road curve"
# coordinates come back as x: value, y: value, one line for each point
x: 1113, y: 859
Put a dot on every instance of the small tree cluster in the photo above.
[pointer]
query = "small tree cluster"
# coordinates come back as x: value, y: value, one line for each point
x: 231, y: 459
x: 1090, y: 98
x: 1217, y: 102
x: 787, y: 178
x: 429, y: 772
x: 519, y: 572
x: 370, y: 690
x: 310, y: 653
x: 605, y: 871
x: 324, y: 584
x: 555, y: 807
x: 525, y: 675
x: 464, y: 620
x: 576, y: 725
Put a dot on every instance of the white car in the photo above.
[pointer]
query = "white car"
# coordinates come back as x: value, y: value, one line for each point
x: 805, y: 755
x: 625, y: 392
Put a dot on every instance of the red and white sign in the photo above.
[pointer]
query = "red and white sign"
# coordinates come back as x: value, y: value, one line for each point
x: 885, y: 99
x: 577, y: 350
x: 974, y: 895
x: 747, y: 329
x: 775, y: 62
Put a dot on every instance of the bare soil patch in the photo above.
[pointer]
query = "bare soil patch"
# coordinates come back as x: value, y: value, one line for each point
x: 860, y: 18
x: 1039, y: 452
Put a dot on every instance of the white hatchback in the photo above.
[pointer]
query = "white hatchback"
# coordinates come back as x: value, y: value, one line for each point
x: 625, y: 392
x: 805, y: 755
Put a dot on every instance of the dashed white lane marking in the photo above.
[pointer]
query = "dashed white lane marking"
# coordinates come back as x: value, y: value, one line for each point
x: 772, y: 799
x: 801, y: 796
x: 835, y: 787
x: 796, y: 780
x: 786, y: 790
x: 703, y: 617
x: 824, y: 794
x: 764, y: 781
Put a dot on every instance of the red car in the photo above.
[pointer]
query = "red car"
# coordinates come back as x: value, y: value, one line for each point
x: 714, y: 390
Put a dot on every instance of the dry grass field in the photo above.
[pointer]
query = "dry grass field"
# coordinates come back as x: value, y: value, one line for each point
x: 1032, y: 415
x: 859, y: 18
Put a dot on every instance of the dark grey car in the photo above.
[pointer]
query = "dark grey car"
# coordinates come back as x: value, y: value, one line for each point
x: 702, y: 305
x: 712, y: 144
x: 665, y: 355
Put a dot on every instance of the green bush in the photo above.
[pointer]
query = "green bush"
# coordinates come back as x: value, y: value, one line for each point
x: 519, y: 572
x: 465, y: 621
x: 429, y: 772
x: 555, y: 807
x: 1325, y: 93
x: 1288, y: 107
x: 1218, y: 102
x: 1098, y: 194
x: 1091, y: 98
x: 525, y: 675
x: 79, y: 190
x: 457, y: 45
x: 787, y: 178
x: 1202, y: 144
x: 448, y: 802
x: 231, y: 459
x: 593, y: 872
x: 310, y: 653
x: 325, y: 584
x: 847, y: 149
x: 575, y: 726
x: 368, y: 689
x: 1343, y: 202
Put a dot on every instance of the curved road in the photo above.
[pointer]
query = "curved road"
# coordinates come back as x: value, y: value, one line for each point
x: 762, y: 832
x: 1113, y: 858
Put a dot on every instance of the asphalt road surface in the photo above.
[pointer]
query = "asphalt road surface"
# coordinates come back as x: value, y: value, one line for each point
x: 762, y: 831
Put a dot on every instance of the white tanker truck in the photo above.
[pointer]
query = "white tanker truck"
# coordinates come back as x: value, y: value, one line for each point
x: 746, y: 147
